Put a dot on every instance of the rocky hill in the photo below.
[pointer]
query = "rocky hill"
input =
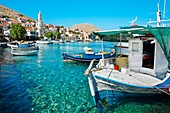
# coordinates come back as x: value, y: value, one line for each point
x: 85, y: 27
x: 4, y: 11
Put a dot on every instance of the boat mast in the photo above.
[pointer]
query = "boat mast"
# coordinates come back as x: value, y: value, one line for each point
x: 120, y: 42
x: 102, y: 49
x: 158, y: 17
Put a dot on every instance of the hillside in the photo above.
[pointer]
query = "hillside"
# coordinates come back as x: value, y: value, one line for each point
x: 4, y: 11
x: 85, y: 27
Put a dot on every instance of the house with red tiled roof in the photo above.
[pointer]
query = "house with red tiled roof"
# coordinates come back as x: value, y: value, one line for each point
x: 49, y: 28
x: 29, y: 24
x: 6, y: 29
x: 4, y: 25
x: 21, y: 20
x: 31, y: 33
x: 2, y: 20
x: 13, y: 21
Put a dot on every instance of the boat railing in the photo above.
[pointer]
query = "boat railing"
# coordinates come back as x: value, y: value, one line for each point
x: 117, y: 63
x: 87, y: 72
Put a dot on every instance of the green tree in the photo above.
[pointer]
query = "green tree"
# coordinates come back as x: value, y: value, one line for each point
x: 57, y: 34
x: 48, y: 34
x: 18, y: 31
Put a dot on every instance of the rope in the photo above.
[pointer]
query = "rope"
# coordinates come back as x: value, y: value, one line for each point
x: 90, y: 109
x: 162, y: 90
x: 108, y: 82
x: 157, y: 88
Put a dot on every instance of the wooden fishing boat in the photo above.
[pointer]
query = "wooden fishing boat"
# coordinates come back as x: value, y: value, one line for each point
x: 24, y: 53
x: 88, y: 55
x: 143, y: 72
x: 24, y: 46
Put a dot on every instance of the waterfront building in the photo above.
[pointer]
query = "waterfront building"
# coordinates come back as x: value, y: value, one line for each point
x: 31, y: 34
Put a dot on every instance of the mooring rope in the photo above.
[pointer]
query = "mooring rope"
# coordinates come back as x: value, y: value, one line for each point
x: 108, y: 82
x: 162, y: 90
x: 90, y: 109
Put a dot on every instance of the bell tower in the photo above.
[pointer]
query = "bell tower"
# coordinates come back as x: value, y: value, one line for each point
x: 40, y: 25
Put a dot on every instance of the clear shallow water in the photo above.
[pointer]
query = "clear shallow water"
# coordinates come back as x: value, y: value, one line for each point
x: 44, y: 83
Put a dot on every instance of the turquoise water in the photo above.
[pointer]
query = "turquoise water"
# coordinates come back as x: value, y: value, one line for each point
x: 46, y: 84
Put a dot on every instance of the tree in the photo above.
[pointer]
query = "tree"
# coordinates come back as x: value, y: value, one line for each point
x: 57, y: 34
x: 48, y: 34
x: 18, y: 31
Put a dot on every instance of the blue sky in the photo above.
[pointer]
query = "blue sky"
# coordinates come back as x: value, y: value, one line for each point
x: 104, y: 14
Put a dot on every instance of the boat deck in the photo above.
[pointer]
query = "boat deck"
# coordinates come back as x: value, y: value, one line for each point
x: 133, y: 78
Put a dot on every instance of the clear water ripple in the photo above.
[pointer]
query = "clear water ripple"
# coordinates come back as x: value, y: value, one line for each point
x: 46, y: 84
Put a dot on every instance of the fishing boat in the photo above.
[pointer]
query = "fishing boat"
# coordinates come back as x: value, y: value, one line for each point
x: 24, y: 53
x: 62, y: 40
x: 88, y: 55
x: 145, y: 71
x: 55, y: 41
x: 122, y: 45
x: 12, y: 44
x: 44, y: 41
x: 24, y: 49
x: 24, y: 46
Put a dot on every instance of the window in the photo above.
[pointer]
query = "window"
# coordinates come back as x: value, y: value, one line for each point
x: 135, y: 46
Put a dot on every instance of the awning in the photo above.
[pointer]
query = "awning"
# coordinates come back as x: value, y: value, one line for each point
x: 133, y: 30
x: 162, y: 34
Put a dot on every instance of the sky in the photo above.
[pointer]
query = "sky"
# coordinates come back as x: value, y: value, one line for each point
x: 104, y: 14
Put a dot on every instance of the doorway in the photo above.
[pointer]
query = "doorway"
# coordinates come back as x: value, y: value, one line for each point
x: 148, y: 54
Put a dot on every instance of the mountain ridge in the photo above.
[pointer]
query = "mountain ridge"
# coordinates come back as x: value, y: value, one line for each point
x: 86, y: 27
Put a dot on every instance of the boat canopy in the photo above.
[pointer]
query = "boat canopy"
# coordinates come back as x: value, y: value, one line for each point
x: 162, y: 34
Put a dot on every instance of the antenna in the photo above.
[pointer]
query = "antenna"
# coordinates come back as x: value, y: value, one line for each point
x: 158, y: 14
x: 133, y: 21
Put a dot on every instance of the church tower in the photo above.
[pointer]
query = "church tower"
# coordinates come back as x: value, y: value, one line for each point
x: 40, y: 25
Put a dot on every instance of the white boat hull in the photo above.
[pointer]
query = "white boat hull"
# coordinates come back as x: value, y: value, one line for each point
x: 42, y: 42
x: 25, y: 49
x: 24, y: 53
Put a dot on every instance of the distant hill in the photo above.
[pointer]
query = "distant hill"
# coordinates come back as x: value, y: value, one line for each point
x: 5, y: 11
x: 85, y: 27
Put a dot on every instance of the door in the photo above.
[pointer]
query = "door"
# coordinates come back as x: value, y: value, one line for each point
x: 135, y: 54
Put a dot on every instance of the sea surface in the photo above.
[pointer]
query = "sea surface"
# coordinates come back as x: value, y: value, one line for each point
x: 46, y: 84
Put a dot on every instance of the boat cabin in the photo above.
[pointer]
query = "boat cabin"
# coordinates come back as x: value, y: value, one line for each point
x: 88, y: 50
x: 146, y: 56
x: 146, y: 53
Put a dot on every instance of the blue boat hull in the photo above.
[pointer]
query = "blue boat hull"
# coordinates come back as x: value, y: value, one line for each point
x: 86, y: 57
x: 105, y: 97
